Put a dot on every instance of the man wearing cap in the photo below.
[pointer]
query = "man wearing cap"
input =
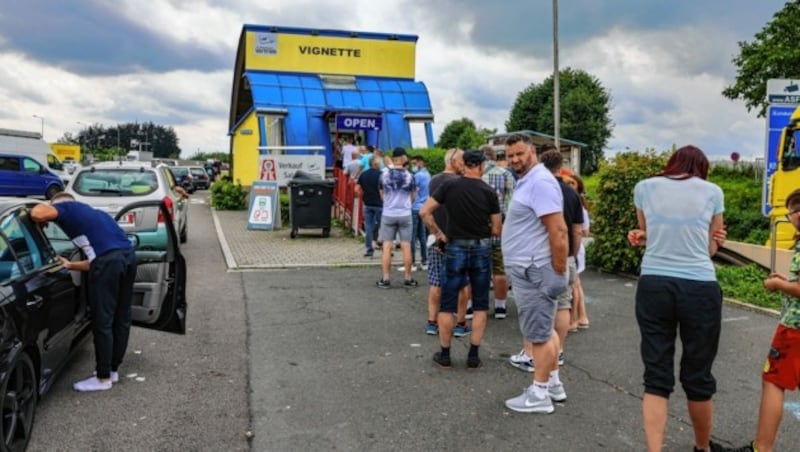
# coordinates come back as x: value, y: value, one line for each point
x: 397, y: 190
x: 473, y: 214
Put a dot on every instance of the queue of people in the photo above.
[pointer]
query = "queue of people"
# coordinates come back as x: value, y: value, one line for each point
x: 490, y: 228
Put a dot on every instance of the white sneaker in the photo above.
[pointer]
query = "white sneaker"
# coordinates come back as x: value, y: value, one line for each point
x: 91, y: 384
x: 522, y: 361
x: 527, y: 402
x: 557, y: 393
x: 402, y: 268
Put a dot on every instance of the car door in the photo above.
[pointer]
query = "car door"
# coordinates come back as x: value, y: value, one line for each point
x: 44, y: 290
x: 181, y: 204
x: 33, y: 181
x: 159, y: 291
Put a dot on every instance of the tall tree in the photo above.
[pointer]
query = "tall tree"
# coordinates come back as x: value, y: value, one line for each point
x: 775, y: 53
x: 585, y: 113
x: 160, y: 140
x: 462, y: 133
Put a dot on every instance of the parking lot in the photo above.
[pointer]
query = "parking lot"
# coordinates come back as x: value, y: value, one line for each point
x: 318, y: 358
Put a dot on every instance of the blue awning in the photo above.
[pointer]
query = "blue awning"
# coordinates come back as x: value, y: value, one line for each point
x: 272, y: 90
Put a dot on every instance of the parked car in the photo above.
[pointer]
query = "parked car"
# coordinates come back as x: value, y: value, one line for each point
x: 184, y: 177
x: 109, y: 186
x: 23, y: 176
x: 200, y: 178
x: 43, y: 307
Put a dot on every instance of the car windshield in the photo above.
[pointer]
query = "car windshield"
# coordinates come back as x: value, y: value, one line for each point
x: 115, y: 182
x: 198, y: 172
x: 179, y: 171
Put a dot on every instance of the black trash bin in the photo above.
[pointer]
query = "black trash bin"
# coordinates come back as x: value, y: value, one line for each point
x: 310, y: 202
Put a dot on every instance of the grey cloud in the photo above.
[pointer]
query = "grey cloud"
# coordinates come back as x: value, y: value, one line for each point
x: 90, y: 39
x: 525, y: 26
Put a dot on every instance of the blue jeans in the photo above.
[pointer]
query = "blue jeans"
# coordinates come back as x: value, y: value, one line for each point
x: 420, y: 232
x: 466, y: 262
x: 372, y: 221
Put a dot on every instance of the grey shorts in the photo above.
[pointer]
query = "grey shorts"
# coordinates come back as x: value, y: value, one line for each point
x: 391, y: 227
x: 535, y: 292
x: 565, y: 299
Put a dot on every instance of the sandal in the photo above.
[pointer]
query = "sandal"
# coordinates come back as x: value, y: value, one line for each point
x: 583, y: 326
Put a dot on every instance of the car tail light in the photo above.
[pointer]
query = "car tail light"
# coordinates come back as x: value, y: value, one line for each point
x: 170, y: 209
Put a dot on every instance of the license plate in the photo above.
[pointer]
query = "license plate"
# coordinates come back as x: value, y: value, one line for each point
x: 129, y: 219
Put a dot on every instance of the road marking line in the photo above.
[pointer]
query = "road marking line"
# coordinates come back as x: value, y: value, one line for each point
x: 223, y: 243
x: 735, y: 319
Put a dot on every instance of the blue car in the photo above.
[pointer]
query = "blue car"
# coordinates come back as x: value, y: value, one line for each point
x: 21, y: 175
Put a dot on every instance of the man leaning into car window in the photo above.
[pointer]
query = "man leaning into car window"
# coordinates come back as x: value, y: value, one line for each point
x: 111, y: 264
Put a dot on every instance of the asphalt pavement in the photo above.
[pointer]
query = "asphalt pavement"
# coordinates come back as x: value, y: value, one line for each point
x: 314, y: 357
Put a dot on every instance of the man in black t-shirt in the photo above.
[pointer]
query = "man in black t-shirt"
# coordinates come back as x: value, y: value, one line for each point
x: 573, y: 217
x: 369, y: 188
x: 473, y: 218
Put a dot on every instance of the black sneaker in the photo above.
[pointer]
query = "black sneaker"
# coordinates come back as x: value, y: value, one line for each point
x: 470, y: 314
x: 368, y: 254
x: 499, y: 313
x: 411, y: 283
x: 383, y: 283
x: 442, y: 361
x: 474, y: 362
x: 714, y: 447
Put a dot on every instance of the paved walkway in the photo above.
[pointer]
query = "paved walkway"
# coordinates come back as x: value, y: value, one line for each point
x: 250, y: 249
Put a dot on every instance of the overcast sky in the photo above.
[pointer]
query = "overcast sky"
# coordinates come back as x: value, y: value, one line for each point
x: 171, y: 61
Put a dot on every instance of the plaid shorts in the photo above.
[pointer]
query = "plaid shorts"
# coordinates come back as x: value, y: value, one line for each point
x: 434, y: 266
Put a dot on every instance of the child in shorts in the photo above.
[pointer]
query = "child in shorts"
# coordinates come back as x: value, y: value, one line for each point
x: 782, y: 368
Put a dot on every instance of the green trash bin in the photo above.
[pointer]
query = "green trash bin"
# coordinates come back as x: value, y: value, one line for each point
x: 310, y: 203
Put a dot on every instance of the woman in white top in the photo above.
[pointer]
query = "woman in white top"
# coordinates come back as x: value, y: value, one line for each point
x: 680, y: 223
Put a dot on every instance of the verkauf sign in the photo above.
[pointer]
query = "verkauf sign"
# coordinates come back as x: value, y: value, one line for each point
x: 281, y: 168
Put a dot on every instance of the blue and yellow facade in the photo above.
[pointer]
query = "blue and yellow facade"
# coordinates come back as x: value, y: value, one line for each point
x: 296, y: 88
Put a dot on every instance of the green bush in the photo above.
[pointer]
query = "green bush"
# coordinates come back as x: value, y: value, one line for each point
x: 743, y: 217
x: 747, y: 284
x: 225, y: 195
x: 617, y: 177
x: 285, y: 203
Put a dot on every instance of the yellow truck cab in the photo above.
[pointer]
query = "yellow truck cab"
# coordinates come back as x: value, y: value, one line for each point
x: 785, y: 180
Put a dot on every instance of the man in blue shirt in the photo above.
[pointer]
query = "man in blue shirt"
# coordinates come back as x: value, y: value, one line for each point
x: 111, y: 263
x: 423, y: 179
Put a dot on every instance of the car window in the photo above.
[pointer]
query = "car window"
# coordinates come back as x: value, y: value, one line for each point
x: 115, y: 182
x: 31, y: 166
x: 198, y: 171
x: 170, y: 178
x: 21, y: 251
x: 59, y: 239
x: 9, y: 163
x: 54, y: 163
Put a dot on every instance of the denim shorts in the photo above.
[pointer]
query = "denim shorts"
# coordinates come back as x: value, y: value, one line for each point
x: 536, y: 290
x: 466, y: 264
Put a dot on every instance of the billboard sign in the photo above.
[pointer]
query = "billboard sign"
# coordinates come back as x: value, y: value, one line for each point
x: 777, y: 118
x: 783, y: 91
x: 263, y: 205
x: 310, y: 52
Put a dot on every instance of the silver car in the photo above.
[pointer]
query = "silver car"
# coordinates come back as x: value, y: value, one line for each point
x: 109, y: 186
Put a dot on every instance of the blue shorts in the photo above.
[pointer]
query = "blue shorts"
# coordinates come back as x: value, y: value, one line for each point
x: 466, y: 262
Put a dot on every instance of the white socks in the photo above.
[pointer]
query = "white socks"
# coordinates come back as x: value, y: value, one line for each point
x: 554, y: 380
x: 92, y: 384
x: 499, y: 303
x: 540, y: 390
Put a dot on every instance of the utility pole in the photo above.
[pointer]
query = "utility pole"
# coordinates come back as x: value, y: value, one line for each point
x: 556, y: 88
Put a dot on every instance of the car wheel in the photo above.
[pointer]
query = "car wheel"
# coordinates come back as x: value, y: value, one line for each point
x: 293, y: 234
x: 51, y: 191
x: 184, y: 236
x: 19, y: 396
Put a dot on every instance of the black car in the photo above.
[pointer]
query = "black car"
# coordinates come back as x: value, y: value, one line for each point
x: 183, y: 177
x: 44, y: 315
x: 200, y: 178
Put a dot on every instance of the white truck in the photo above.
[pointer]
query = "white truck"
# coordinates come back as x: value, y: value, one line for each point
x: 139, y: 156
x: 32, y: 145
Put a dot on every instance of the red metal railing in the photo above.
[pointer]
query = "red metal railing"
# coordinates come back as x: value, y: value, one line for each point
x: 346, y: 206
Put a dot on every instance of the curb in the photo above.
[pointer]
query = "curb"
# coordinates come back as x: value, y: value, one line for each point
x: 751, y: 307
x: 223, y: 243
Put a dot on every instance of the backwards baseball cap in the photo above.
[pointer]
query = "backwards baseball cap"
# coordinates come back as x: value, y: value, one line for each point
x: 473, y: 157
x: 398, y: 152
